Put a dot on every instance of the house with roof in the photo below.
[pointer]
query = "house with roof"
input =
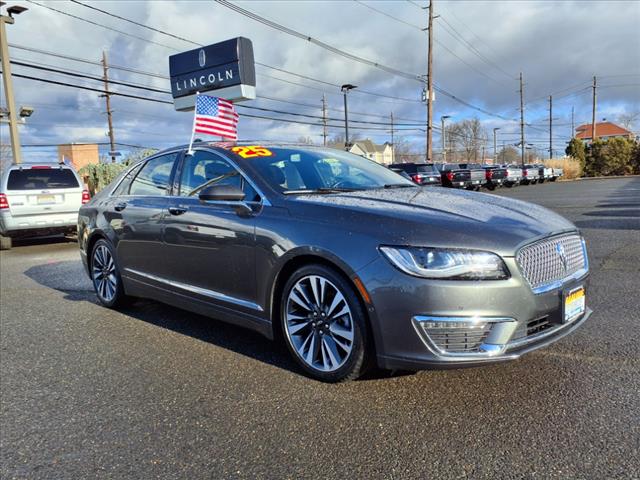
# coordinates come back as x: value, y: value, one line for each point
x: 604, y: 131
x: 379, y: 153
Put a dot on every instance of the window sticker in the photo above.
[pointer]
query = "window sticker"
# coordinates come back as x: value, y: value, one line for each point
x: 252, y: 151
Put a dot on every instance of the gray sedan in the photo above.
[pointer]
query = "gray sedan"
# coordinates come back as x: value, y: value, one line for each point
x: 347, y: 262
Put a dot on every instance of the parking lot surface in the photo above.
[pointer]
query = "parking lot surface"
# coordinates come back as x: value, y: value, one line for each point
x: 156, y: 392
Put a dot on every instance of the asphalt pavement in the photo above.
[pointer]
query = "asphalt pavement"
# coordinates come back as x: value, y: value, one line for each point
x: 156, y: 392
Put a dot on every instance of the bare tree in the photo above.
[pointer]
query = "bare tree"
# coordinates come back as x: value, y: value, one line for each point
x: 305, y: 140
x: 508, y: 155
x: 628, y: 119
x: 337, y: 141
x: 465, y: 140
x: 404, y: 152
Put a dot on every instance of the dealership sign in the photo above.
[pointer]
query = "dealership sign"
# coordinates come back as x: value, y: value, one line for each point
x: 224, y: 69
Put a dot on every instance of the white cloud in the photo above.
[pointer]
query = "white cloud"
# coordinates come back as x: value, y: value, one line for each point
x: 555, y: 44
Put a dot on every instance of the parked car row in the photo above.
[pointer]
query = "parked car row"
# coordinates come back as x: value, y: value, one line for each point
x: 474, y: 176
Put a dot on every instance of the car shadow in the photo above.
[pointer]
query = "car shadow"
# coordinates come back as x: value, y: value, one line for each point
x: 70, y: 278
x: 48, y: 240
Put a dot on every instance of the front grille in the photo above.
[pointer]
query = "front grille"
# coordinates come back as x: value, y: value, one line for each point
x: 537, y: 326
x: 459, y: 340
x: 551, y: 259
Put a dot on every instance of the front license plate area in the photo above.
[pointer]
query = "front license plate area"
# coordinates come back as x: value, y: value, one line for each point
x: 575, y: 302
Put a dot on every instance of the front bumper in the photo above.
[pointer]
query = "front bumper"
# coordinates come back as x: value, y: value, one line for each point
x: 399, y: 303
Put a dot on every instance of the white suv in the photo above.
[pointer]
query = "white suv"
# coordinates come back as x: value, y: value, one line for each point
x: 39, y: 200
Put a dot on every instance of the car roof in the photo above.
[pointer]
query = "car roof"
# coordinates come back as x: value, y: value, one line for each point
x: 21, y: 166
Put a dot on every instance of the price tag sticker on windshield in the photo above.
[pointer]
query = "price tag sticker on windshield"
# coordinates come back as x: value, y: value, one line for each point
x: 252, y: 151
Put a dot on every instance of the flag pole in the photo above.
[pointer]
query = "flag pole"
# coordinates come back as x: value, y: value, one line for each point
x: 193, y: 127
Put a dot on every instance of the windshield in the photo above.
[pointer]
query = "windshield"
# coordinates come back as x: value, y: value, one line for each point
x: 295, y: 170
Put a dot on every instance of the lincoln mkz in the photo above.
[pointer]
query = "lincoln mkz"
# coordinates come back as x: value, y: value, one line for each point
x: 347, y: 262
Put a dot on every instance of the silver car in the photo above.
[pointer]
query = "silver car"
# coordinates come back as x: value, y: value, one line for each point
x: 39, y: 200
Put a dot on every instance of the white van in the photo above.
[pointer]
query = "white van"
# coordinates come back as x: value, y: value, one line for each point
x: 39, y: 199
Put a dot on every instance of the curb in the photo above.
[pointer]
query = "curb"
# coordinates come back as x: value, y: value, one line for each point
x: 609, y: 177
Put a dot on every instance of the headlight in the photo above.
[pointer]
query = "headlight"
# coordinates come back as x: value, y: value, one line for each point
x: 451, y: 264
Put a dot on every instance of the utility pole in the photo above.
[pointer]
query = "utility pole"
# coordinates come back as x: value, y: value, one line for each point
x: 572, y: 124
x: 495, y: 144
x: 550, y: 127
x: 593, y: 116
x: 8, y: 82
x: 430, y: 83
x: 107, y: 97
x: 521, y: 121
x: 324, y: 120
x: 393, y: 145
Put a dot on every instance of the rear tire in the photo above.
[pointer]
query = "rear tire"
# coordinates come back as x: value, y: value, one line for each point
x: 5, y: 243
x: 105, y: 275
x: 324, y: 325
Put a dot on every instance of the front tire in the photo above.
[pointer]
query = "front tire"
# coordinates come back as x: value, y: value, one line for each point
x: 324, y: 325
x: 105, y: 275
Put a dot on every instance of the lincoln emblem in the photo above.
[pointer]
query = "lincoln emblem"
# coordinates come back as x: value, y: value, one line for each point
x: 202, y: 58
x: 562, y: 255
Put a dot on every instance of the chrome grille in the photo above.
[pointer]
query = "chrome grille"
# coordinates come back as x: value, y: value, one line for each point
x: 458, y: 340
x: 552, y: 259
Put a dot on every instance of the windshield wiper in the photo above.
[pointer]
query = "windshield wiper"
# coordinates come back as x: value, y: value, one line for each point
x: 320, y: 190
x: 398, y: 185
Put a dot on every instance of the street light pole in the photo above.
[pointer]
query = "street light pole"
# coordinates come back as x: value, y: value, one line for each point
x: 345, y: 89
x: 495, y: 144
x: 8, y: 83
x: 444, y: 138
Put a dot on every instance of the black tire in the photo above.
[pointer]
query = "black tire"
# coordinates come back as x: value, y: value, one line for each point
x: 118, y: 297
x: 358, y: 360
x: 5, y: 243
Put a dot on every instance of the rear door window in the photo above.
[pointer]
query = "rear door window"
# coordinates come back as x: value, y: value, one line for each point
x: 427, y: 169
x: 42, y: 179
x: 123, y: 186
x: 154, y: 176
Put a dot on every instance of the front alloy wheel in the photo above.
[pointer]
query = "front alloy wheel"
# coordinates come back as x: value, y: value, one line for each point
x: 324, y: 324
x: 105, y: 275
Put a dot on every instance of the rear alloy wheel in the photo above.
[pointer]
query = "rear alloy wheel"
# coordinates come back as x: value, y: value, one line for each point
x: 324, y: 325
x: 105, y: 275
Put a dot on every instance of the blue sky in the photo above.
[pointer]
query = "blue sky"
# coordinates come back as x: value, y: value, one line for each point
x: 480, y: 49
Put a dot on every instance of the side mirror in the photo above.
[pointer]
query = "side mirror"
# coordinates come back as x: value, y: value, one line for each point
x: 228, y: 193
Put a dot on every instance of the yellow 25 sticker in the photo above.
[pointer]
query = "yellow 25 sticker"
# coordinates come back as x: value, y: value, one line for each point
x: 252, y: 151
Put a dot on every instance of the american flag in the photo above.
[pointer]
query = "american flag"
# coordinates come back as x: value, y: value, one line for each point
x: 216, y: 116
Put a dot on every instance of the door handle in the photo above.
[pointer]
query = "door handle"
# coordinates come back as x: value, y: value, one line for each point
x: 118, y: 207
x: 177, y: 210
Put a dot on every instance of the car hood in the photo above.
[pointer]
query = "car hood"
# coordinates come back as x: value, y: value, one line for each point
x: 447, y: 217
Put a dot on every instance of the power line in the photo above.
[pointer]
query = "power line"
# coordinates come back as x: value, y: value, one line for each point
x: 420, y: 29
x: 99, y: 25
x: 472, y: 47
x: 251, y: 107
x: 137, y: 97
x: 319, y: 43
x: 360, y: 91
x: 135, y: 23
